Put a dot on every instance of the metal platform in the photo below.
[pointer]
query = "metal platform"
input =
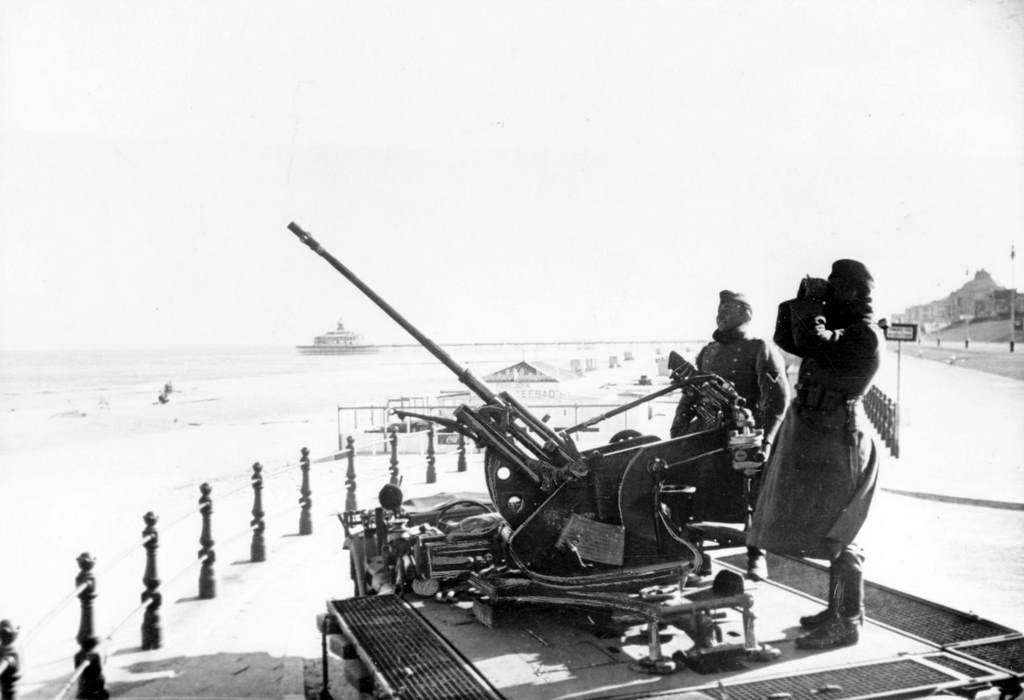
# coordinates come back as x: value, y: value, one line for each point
x: 908, y: 677
x: 1006, y: 654
x: 540, y: 653
x: 914, y: 616
x: 407, y: 657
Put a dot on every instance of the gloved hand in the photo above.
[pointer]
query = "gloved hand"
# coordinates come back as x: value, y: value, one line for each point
x: 823, y: 332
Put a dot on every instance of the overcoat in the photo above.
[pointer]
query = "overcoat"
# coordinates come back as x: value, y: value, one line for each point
x: 821, y: 476
x: 757, y: 371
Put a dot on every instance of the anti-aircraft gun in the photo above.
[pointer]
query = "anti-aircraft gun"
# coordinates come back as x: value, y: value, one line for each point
x: 601, y: 530
x: 598, y: 519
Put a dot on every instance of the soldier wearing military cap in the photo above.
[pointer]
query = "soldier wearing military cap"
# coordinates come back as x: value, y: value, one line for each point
x: 757, y: 371
x: 819, y: 481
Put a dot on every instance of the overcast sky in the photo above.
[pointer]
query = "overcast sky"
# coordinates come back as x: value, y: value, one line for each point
x: 550, y: 170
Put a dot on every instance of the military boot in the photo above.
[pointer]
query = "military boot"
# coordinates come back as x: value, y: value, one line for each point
x: 809, y: 622
x: 835, y: 632
x: 843, y: 628
x: 852, y: 604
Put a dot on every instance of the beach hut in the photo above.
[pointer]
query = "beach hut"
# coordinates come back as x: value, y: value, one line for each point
x: 532, y: 382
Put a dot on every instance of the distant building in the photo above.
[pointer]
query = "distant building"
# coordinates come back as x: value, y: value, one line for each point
x: 978, y: 298
x: 975, y: 299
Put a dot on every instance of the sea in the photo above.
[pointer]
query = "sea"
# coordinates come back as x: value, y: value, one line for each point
x: 27, y: 372
x: 113, y: 391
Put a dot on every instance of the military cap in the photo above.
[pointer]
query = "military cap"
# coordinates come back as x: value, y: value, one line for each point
x: 726, y: 296
x: 853, y: 271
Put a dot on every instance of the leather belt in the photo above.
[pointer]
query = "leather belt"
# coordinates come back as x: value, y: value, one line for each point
x: 815, y: 396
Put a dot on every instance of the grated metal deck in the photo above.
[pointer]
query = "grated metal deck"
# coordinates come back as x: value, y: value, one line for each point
x: 903, y: 677
x: 960, y: 666
x: 923, y: 619
x: 1004, y: 653
x: 411, y: 659
x: 407, y: 656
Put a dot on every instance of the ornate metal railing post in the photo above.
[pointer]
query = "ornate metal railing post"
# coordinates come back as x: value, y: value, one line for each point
x: 350, y: 473
x: 462, y: 453
x: 431, y: 456
x: 151, y: 631
x: 393, y: 440
x: 10, y: 660
x: 207, y: 582
x: 91, y: 684
x: 258, y: 546
x: 305, y: 520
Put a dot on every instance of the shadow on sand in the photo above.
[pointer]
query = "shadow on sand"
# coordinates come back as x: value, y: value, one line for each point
x: 223, y: 675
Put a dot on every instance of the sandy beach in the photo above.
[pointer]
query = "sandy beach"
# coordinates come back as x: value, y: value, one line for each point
x: 81, y: 467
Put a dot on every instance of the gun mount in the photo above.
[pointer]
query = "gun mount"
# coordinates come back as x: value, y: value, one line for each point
x: 599, y: 519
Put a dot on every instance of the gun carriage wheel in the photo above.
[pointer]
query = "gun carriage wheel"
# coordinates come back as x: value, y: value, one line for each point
x: 515, y: 496
x: 624, y: 435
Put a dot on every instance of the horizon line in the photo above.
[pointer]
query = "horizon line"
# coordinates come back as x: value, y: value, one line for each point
x: 582, y: 341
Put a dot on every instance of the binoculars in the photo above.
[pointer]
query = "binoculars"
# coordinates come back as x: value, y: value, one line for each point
x: 814, y: 289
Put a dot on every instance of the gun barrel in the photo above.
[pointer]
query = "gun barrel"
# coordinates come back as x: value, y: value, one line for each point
x: 463, y: 374
x: 625, y: 407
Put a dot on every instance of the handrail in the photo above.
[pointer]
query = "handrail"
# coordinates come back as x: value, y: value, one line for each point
x: 79, y: 670
x: 50, y: 614
x: 430, y: 408
x: 450, y: 408
x: 334, y: 456
x: 103, y: 647
x: 109, y: 637
x: 31, y: 631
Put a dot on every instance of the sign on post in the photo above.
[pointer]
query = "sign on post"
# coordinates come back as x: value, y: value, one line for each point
x: 901, y: 331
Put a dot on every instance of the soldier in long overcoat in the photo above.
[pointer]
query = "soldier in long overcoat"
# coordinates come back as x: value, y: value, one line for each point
x: 757, y: 371
x: 819, y: 481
